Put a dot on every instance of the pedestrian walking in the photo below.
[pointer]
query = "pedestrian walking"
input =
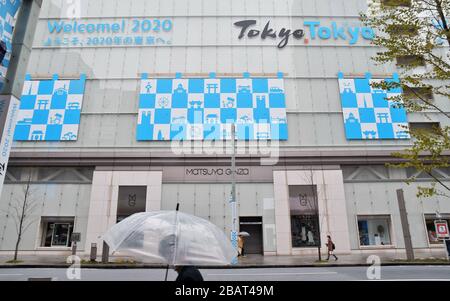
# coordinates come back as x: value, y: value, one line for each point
x: 188, y: 274
x: 331, y: 247
x: 241, y: 245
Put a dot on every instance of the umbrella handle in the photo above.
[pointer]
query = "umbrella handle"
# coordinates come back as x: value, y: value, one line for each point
x: 167, y: 272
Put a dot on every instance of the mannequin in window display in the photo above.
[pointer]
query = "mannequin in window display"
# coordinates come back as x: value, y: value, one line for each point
x: 377, y: 239
x: 303, y: 234
x: 432, y: 236
x: 310, y: 238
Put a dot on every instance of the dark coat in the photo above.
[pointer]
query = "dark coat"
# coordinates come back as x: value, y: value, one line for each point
x: 330, y: 245
x: 189, y: 274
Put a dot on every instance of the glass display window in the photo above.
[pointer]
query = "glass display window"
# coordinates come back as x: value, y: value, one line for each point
x: 431, y: 229
x: 374, y: 230
x: 305, y: 229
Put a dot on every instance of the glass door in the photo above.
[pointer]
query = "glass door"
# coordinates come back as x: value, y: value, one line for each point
x: 61, y: 235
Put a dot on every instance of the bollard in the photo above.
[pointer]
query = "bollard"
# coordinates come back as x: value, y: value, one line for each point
x: 74, y: 248
x: 105, y: 253
x: 93, y: 257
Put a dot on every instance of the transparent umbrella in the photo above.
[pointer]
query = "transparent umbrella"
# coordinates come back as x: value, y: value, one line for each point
x: 244, y: 234
x: 171, y: 237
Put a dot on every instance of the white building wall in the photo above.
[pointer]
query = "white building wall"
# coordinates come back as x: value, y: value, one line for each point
x: 211, y: 202
x: 380, y: 198
x: 205, y: 40
x: 331, y: 203
x: 105, y: 195
x: 51, y: 200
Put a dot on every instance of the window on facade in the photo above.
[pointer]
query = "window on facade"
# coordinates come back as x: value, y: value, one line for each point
x: 416, y: 93
x: 410, y: 60
x: 374, y: 230
x: 57, y: 232
x: 394, y: 3
x: 305, y: 228
x: 431, y: 229
x: 424, y: 126
x: 365, y: 173
x: 49, y: 175
x: 440, y: 173
x: 402, y: 30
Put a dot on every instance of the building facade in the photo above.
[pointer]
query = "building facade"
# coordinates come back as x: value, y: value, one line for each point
x: 314, y: 175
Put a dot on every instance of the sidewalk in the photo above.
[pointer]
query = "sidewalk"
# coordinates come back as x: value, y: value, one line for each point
x: 251, y: 261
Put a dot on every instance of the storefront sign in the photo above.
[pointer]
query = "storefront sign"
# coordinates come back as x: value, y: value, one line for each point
x: 128, y: 32
x: 217, y: 174
x: 312, y: 30
x: 9, y: 108
x: 8, y: 9
x: 442, y: 231
x: 216, y: 171
x: 75, y: 237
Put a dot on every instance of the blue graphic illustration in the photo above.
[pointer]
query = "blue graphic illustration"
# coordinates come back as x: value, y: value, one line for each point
x: 369, y: 113
x: 8, y: 10
x: 50, y: 110
x: 204, y: 109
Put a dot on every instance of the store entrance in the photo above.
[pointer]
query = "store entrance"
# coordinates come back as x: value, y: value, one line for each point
x: 253, y: 225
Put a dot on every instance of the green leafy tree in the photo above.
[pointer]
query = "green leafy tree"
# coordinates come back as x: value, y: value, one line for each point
x: 415, y: 34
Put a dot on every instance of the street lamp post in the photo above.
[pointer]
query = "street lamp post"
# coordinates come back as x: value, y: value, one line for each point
x: 233, y: 202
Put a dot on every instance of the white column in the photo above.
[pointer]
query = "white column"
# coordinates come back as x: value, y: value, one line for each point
x: 331, y: 203
x: 282, y: 214
x: 105, y: 195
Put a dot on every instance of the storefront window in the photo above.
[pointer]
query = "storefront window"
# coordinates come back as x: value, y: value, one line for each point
x: 57, y: 233
x: 431, y: 229
x: 374, y: 230
x: 305, y: 228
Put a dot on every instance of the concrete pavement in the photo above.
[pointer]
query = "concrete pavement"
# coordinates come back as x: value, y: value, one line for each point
x: 250, y: 261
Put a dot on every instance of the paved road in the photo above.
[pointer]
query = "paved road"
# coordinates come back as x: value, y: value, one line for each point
x: 398, y: 273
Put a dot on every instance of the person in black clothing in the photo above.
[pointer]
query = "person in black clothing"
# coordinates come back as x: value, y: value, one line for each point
x: 447, y: 243
x: 330, y: 246
x: 188, y: 274
x: 185, y: 273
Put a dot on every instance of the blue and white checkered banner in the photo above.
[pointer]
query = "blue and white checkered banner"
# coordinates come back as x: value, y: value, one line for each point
x: 369, y: 113
x: 50, y: 110
x: 206, y: 108
x: 8, y: 9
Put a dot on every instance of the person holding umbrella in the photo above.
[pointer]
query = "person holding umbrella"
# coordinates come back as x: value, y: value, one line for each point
x: 241, y: 243
x: 186, y: 273
x: 173, y: 238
